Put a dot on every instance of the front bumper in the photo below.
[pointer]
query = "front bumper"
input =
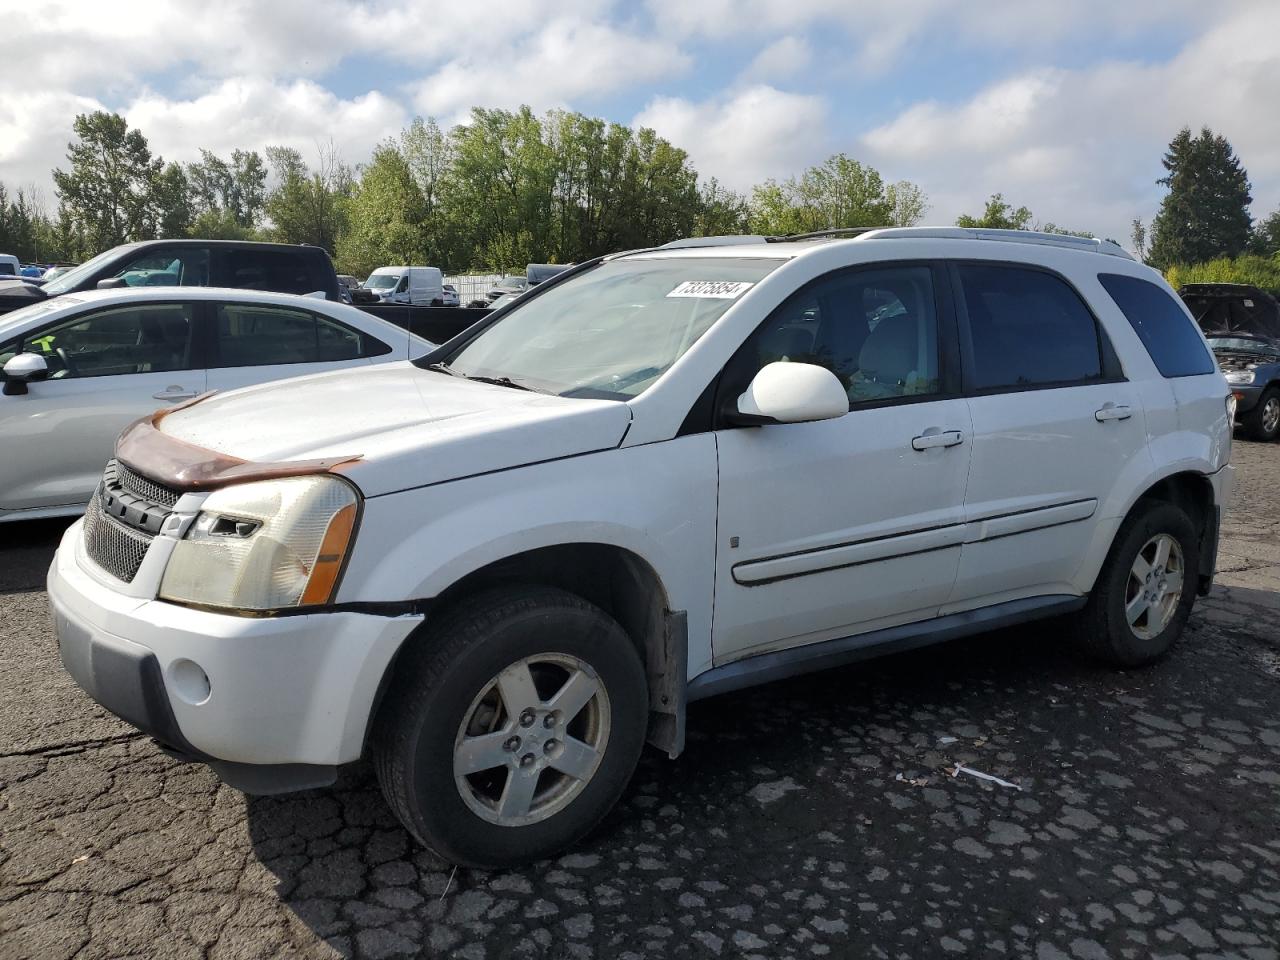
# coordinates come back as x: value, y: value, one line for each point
x: 228, y: 690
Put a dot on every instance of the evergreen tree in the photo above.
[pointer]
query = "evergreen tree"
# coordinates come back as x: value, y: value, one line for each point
x: 1206, y: 212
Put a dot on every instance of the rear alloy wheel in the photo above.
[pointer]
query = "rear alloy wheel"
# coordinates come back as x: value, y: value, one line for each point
x: 1145, y: 590
x: 1263, y: 421
x: 512, y: 726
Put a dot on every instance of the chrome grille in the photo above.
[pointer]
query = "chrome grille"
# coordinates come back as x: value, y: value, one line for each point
x: 114, y: 547
x: 140, y: 486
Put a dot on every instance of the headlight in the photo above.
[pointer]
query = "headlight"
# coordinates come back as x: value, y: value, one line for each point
x: 1240, y: 376
x: 265, y: 545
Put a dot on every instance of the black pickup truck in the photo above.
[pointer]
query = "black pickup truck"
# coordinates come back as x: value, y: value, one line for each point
x: 278, y: 267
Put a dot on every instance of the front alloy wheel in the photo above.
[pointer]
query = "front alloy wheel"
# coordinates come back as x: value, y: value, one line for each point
x: 512, y: 724
x: 531, y: 740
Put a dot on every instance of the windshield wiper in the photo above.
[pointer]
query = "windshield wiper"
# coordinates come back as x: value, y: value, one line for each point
x: 499, y: 381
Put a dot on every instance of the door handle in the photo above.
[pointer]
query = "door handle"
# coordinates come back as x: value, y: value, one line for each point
x: 1112, y: 411
x: 173, y: 393
x: 934, y: 437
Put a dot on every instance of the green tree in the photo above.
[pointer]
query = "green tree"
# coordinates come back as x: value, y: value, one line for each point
x: 1266, y: 236
x: 306, y: 206
x: 387, y: 216
x: 108, y: 189
x: 1205, y: 214
x: 997, y: 215
x: 1259, y: 271
x: 721, y: 211
x: 842, y: 192
x: 171, y: 202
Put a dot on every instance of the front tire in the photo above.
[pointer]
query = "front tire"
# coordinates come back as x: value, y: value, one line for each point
x: 1263, y: 421
x: 513, y: 728
x: 1146, y: 588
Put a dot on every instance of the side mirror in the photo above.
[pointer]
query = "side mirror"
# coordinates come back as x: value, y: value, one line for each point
x: 793, y: 393
x: 21, y: 370
x: 112, y: 283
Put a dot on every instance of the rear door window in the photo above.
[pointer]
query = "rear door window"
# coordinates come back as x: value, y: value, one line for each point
x: 254, y: 335
x: 279, y: 271
x: 1026, y: 329
x: 1161, y: 324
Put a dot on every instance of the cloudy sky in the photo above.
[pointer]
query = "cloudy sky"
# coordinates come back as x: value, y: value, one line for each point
x: 1064, y: 105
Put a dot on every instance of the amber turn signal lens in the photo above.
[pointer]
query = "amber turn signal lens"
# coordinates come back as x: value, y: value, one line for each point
x: 333, y: 550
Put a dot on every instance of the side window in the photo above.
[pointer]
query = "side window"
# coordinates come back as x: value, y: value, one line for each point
x: 174, y: 267
x: 150, y: 338
x: 877, y: 330
x: 1027, y: 328
x: 7, y: 269
x: 251, y: 336
x: 275, y: 270
x: 1161, y: 324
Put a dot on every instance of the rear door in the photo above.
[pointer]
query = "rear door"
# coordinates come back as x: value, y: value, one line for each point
x: 107, y: 368
x: 255, y: 343
x: 1054, y: 425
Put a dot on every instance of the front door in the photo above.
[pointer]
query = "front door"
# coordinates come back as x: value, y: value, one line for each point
x: 107, y: 368
x: 839, y: 527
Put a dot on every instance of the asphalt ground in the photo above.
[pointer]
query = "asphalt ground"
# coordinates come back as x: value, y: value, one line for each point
x: 817, y: 817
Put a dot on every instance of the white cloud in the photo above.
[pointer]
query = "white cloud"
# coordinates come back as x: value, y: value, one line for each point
x: 781, y: 58
x: 757, y: 133
x: 250, y: 113
x: 566, y: 60
x: 1082, y: 147
x: 34, y: 130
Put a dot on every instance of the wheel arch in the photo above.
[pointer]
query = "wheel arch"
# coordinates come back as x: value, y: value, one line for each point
x: 614, y: 578
x: 1192, y: 492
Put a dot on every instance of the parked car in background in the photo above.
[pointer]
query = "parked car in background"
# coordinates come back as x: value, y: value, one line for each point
x: 32, y: 272
x: 536, y: 273
x: 415, y: 285
x: 451, y: 298
x: 506, y: 556
x: 1232, y: 308
x: 512, y: 285
x: 9, y: 265
x: 347, y: 283
x: 278, y: 267
x: 56, y: 271
x: 78, y: 369
x: 1252, y: 367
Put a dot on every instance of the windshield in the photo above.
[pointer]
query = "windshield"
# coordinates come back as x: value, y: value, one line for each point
x: 381, y: 281
x: 612, y: 331
x: 70, y: 279
x: 1244, y: 344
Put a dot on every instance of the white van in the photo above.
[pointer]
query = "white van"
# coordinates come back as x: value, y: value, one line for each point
x: 10, y: 269
x: 422, y: 285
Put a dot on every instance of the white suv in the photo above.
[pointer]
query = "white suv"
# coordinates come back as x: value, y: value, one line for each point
x: 662, y: 475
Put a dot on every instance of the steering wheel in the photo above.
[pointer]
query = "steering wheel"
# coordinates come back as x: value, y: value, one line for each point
x: 66, y: 360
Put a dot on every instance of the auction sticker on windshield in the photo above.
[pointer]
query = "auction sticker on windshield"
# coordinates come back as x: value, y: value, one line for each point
x: 714, y: 289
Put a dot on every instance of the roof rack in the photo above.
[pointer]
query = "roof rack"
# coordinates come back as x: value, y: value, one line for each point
x: 833, y: 233
x: 1065, y: 241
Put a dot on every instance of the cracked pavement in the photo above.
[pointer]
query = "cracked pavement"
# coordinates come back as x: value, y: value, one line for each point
x: 816, y: 817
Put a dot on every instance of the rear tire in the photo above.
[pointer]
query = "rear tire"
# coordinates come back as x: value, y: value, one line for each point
x: 1146, y: 588
x: 1263, y: 421
x: 470, y: 749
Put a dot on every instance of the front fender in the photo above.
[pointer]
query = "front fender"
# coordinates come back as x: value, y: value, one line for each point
x: 657, y: 501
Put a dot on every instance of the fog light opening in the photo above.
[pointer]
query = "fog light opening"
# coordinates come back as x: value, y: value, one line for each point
x: 189, y: 682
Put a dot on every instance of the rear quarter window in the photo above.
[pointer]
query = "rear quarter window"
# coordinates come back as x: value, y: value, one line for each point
x: 1161, y: 324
